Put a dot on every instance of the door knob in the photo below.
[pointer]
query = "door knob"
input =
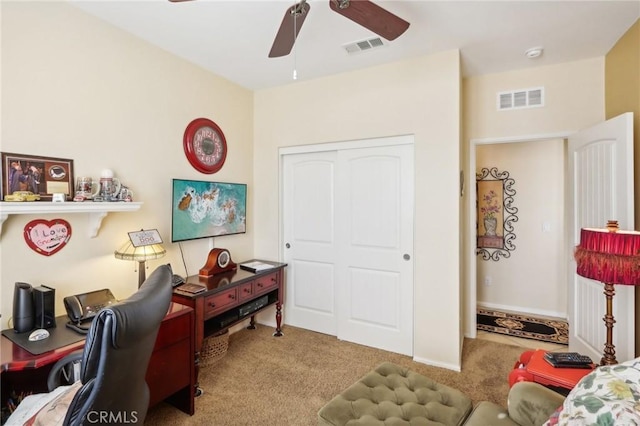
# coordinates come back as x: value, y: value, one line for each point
x: 406, y: 256
x: 287, y: 245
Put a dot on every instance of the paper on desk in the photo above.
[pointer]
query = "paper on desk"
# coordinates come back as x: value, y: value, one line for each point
x: 256, y: 266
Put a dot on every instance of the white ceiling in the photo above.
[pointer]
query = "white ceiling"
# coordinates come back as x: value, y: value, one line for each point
x: 233, y: 38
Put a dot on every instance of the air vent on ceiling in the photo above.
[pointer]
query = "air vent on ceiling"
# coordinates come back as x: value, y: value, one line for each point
x: 521, y: 98
x: 363, y: 45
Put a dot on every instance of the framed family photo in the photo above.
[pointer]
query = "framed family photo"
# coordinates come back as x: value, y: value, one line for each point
x: 41, y: 175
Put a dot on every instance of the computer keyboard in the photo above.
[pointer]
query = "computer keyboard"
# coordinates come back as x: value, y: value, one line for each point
x: 176, y: 280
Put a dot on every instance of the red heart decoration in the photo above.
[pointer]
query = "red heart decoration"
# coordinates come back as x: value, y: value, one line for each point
x: 47, y: 237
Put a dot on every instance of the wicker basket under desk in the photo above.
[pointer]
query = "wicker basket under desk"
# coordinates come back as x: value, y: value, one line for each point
x: 214, y: 348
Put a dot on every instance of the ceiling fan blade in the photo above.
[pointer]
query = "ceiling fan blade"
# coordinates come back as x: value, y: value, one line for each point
x: 371, y: 16
x: 289, y: 28
x: 178, y: 1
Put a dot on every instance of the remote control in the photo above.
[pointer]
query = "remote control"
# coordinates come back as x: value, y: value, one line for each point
x: 568, y: 360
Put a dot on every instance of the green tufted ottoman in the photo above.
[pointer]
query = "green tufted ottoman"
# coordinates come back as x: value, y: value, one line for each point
x: 392, y: 395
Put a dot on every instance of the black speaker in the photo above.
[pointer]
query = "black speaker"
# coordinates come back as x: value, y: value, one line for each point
x: 45, y: 304
x: 23, y: 310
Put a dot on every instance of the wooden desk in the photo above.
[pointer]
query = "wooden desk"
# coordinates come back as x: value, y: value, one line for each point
x: 228, y: 300
x: 170, y: 374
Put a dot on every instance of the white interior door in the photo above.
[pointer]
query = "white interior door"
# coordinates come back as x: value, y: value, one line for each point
x: 601, y: 184
x: 309, y: 233
x: 375, y: 231
x: 348, y: 224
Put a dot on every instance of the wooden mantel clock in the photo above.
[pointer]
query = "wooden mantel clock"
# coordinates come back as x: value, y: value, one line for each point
x: 219, y: 261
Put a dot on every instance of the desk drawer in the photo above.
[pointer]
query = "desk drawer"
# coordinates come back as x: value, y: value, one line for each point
x: 220, y: 302
x: 173, y: 330
x: 266, y: 283
x: 245, y: 291
x: 169, y: 370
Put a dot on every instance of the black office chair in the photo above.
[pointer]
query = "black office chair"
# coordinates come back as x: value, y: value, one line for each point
x: 115, y: 357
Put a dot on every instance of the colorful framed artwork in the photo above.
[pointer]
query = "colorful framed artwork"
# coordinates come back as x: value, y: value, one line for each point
x: 203, y: 209
x: 44, y: 176
x: 495, y: 214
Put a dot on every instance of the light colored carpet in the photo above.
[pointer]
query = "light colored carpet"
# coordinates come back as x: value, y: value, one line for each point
x: 264, y: 380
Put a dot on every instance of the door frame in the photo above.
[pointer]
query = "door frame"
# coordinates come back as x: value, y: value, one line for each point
x: 471, y: 293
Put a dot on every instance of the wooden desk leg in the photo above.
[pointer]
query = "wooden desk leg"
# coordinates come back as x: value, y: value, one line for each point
x: 252, y: 323
x: 198, y: 390
x: 278, y: 331
x: 199, y: 331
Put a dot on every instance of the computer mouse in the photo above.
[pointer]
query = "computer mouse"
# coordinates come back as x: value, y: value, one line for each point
x: 39, y: 334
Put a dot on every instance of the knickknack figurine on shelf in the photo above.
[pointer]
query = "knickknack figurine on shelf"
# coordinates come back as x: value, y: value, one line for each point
x: 495, y: 214
x: 108, y: 188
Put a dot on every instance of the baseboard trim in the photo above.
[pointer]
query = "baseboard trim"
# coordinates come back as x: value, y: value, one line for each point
x: 522, y: 310
x: 448, y: 366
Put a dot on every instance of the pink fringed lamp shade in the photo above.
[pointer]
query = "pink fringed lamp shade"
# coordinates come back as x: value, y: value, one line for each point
x: 609, y: 257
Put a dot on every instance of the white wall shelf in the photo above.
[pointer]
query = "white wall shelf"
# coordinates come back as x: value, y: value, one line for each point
x: 96, y: 210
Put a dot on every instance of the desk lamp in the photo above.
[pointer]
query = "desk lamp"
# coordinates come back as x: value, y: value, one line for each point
x: 142, y: 246
x: 612, y: 257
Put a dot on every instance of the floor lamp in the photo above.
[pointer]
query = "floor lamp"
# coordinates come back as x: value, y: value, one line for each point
x: 142, y: 246
x: 612, y: 257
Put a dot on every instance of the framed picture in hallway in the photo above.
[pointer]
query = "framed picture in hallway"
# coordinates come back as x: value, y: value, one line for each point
x: 495, y: 214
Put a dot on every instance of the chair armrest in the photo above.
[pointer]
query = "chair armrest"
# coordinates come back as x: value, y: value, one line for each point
x: 64, y: 367
x: 531, y: 404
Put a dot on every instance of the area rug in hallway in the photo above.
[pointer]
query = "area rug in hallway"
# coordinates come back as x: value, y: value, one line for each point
x: 553, y: 330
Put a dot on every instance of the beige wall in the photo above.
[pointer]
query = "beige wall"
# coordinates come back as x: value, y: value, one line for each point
x: 622, y: 87
x: 419, y: 97
x: 533, y: 279
x: 75, y: 87
x: 574, y: 99
x: 622, y: 94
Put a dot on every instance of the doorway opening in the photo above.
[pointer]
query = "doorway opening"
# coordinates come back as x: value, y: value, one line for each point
x: 532, y: 280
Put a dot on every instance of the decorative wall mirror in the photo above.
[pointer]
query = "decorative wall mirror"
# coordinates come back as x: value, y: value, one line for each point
x: 495, y: 214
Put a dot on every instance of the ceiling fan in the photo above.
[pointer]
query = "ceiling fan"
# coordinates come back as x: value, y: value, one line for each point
x: 362, y: 12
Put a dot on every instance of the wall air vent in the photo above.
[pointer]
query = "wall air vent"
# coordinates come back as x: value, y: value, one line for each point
x: 521, y: 98
x: 363, y: 45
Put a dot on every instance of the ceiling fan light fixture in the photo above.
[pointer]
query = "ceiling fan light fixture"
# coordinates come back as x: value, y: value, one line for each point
x: 298, y: 9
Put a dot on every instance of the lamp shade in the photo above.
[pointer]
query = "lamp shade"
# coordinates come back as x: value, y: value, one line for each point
x: 609, y: 257
x: 129, y: 252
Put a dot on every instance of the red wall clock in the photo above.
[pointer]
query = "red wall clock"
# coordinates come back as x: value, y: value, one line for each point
x: 205, y: 145
x: 47, y: 237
